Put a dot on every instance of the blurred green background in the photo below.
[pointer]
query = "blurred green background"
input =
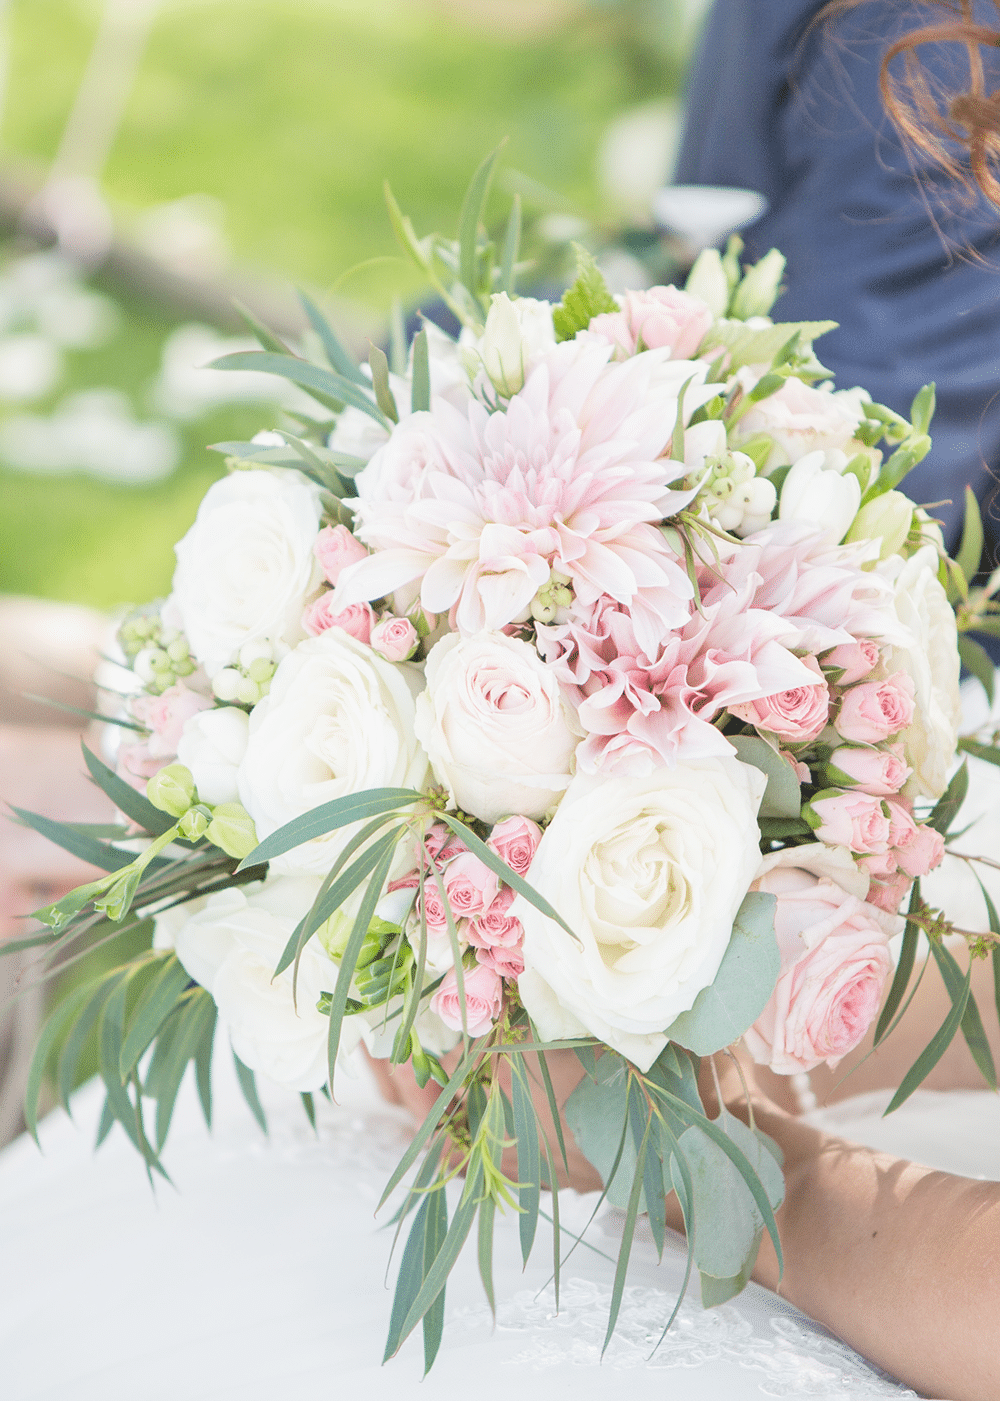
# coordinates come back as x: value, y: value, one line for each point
x: 284, y: 117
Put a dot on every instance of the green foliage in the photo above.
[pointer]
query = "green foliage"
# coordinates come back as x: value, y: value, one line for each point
x: 588, y: 297
x: 783, y: 794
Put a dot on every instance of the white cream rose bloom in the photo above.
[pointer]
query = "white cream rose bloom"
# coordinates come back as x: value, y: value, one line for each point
x: 246, y: 568
x: 498, y: 728
x: 338, y: 719
x: 213, y: 750
x: 232, y: 947
x: 800, y: 419
x: 932, y: 661
x: 649, y: 874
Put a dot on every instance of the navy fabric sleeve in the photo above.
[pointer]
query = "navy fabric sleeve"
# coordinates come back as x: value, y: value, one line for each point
x: 908, y: 266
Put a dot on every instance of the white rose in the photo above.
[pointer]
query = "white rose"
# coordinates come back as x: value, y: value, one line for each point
x: 232, y: 948
x: 800, y: 420
x: 649, y: 874
x: 499, y: 730
x: 338, y: 720
x: 817, y: 492
x: 932, y: 661
x: 246, y: 567
x: 213, y: 750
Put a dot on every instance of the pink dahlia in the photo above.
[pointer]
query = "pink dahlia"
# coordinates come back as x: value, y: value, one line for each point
x: 570, y: 477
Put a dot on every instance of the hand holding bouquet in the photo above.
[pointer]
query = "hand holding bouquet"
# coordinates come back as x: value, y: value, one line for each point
x: 587, y: 681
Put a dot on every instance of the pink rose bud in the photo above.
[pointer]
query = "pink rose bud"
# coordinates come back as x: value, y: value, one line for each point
x: 879, y: 866
x: 483, y: 999
x: 661, y: 316
x: 166, y: 715
x: 902, y: 828
x: 855, y: 820
x: 515, y: 840
x: 834, y: 962
x: 505, y: 962
x: 855, y: 659
x: 881, y: 772
x: 495, y: 928
x: 795, y: 716
x: 885, y: 893
x: 335, y: 548
x: 395, y: 639
x: 875, y: 710
x: 922, y: 853
x: 801, y: 770
x: 471, y: 886
x: 357, y: 619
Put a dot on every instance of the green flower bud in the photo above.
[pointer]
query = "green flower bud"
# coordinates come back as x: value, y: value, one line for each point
x: 887, y: 518
x: 178, y: 650
x: 758, y: 290
x: 172, y: 790
x: 247, y: 692
x: 261, y: 670
x: 193, y: 825
x: 707, y: 280
x: 232, y: 829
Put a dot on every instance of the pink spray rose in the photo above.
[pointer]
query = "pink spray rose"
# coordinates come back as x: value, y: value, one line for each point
x: 795, y: 716
x: 483, y: 999
x: 471, y: 886
x: 875, y: 710
x: 885, y: 892
x: 515, y: 841
x: 505, y: 962
x: 834, y: 963
x: 855, y: 820
x: 495, y: 927
x: 164, y: 716
x: 802, y: 772
x: 357, y: 619
x: 395, y: 639
x: 880, y: 772
x: 336, y: 548
x: 661, y: 316
x: 855, y: 659
x: 916, y: 847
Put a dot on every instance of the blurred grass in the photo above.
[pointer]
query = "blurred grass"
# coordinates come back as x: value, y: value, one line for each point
x: 291, y: 113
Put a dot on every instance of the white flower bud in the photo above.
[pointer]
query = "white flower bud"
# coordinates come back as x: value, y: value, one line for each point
x: 503, y: 349
x: 226, y: 684
x: 707, y: 280
x: 816, y: 495
x: 888, y: 519
x: 255, y: 651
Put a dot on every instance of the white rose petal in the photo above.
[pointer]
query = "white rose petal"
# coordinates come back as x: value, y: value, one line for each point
x: 500, y: 732
x: 246, y: 567
x: 932, y: 661
x: 817, y: 495
x: 338, y: 720
x: 213, y: 750
x: 649, y: 874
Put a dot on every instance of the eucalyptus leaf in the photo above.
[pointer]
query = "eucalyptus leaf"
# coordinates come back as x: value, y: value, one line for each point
x: 783, y: 794
x: 741, y: 988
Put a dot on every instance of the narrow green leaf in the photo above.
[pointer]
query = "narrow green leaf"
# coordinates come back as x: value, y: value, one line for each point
x: 922, y: 409
x: 340, y: 360
x: 977, y: 660
x: 203, y: 1066
x: 342, y: 812
x: 487, y: 1219
x: 428, y: 1126
x: 473, y: 209
x: 110, y: 1032
x: 325, y: 386
x: 125, y: 797
x: 384, y: 396
x: 628, y: 1232
x: 435, y: 1278
x: 420, y: 393
x: 323, y: 473
x: 970, y: 552
x: 904, y: 968
x: 989, y: 753
x: 410, y: 1277
x: 556, y: 1238
x: 93, y: 852
x: 268, y: 339
x: 192, y: 1019
x: 946, y: 808
x: 500, y: 868
x: 76, y: 1040
x: 50, y: 1036
x: 85, y: 714
x: 248, y: 1086
x: 972, y: 1022
x: 309, y: 1107
x: 349, y: 958
x: 511, y: 248
x: 434, y: 1238
x: 934, y: 1049
x: 529, y: 1162
x: 155, y: 1005
x: 550, y: 1095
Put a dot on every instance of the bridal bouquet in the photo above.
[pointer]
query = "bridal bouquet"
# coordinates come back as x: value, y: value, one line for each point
x: 585, y: 683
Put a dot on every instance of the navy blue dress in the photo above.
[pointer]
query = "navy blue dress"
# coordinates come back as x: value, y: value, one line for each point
x: 798, y: 116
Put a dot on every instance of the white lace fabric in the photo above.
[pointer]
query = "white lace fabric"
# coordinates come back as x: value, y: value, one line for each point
x: 261, y: 1276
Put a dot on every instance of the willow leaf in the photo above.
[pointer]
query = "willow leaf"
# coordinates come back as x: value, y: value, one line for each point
x: 339, y: 358
x: 500, y: 868
x: 248, y: 1088
x: 125, y: 797
x: 904, y: 969
x: 529, y: 1162
x: 420, y: 393
x: 971, y: 1023
x: 628, y: 1232
x: 934, y: 1049
x: 349, y: 958
x: 341, y: 812
x: 473, y: 209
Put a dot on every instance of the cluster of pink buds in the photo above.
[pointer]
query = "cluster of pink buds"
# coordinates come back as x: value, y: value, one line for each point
x: 393, y: 638
x: 479, y: 903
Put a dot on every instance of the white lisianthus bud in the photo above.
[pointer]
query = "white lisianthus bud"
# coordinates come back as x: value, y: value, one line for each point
x: 815, y: 493
x: 503, y: 349
x: 887, y: 519
x: 226, y: 684
x: 172, y: 790
x: 757, y: 293
x: 707, y: 280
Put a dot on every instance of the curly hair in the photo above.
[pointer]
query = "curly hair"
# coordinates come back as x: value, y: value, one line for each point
x: 942, y: 124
